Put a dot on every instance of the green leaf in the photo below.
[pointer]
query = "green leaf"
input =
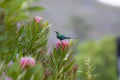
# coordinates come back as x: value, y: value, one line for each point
x: 69, y: 66
x: 36, y: 8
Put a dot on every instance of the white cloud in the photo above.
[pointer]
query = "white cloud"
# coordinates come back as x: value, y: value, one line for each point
x: 111, y: 2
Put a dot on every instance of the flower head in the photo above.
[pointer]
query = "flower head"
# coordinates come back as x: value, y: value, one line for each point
x: 75, y: 67
x: 8, y: 78
x: 27, y: 61
x: 10, y: 64
x: 38, y: 19
x: 63, y: 44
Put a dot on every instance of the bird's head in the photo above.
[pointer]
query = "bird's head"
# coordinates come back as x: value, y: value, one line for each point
x: 57, y: 32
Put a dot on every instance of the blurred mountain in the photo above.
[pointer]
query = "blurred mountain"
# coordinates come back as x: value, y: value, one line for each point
x: 87, y: 19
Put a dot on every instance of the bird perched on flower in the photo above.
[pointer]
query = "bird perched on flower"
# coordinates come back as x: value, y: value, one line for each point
x: 61, y: 37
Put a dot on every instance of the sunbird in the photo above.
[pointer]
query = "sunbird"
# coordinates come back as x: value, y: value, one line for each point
x: 61, y: 37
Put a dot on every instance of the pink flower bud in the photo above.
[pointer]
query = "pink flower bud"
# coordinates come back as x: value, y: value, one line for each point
x: 8, y: 78
x: 5, y: 77
x: 38, y: 19
x: 75, y: 67
x: 10, y: 64
x: 63, y: 44
x: 27, y: 61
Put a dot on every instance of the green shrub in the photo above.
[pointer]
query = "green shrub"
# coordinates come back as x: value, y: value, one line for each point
x: 103, y: 55
x: 23, y: 53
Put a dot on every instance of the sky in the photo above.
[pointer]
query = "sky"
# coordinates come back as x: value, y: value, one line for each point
x: 111, y: 2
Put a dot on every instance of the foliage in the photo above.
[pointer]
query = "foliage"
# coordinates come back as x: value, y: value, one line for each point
x: 13, y: 11
x: 103, y: 53
x: 88, y: 70
x: 29, y: 39
x: 62, y: 61
x: 22, y: 38
x: 16, y: 73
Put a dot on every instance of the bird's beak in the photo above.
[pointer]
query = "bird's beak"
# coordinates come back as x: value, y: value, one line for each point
x: 55, y: 31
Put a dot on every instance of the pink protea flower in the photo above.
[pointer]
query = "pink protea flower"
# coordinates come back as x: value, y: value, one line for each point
x: 27, y: 61
x: 38, y: 19
x: 63, y: 44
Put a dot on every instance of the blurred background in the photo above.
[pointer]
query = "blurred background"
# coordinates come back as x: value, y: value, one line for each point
x: 96, y: 25
x: 86, y: 19
x: 94, y: 22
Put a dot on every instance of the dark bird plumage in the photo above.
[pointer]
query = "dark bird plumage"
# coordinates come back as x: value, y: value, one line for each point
x: 60, y: 36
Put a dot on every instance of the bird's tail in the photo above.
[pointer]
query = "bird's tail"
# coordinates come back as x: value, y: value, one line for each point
x: 71, y: 38
x: 67, y: 37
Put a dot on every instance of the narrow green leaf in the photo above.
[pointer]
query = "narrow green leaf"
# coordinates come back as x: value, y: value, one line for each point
x: 68, y: 66
x: 40, y: 8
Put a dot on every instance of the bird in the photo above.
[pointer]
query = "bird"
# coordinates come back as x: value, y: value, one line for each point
x: 61, y: 37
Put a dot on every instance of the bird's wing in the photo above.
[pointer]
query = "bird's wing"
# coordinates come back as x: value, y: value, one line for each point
x: 62, y: 36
